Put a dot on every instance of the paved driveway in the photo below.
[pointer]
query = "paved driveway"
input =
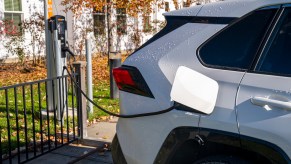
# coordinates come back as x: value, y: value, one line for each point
x: 99, y: 134
x: 72, y: 153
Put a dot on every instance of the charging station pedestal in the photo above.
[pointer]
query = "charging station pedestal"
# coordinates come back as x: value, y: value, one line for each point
x: 57, y: 27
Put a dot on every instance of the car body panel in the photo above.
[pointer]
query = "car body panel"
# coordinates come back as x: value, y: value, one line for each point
x: 161, y: 60
x: 236, y: 8
x: 188, y: 11
x: 224, y: 115
x: 265, y: 122
x: 170, y: 55
x: 141, y: 138
x: 228, y: 8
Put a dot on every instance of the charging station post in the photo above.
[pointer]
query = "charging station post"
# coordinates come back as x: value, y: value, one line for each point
x: 57, y: 26
x: 49, y: 57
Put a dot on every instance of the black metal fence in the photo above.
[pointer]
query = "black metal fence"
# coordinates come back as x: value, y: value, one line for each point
x: 37, y: 117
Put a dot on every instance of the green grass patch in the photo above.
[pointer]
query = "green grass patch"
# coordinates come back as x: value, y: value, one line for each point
x: 22, y: 108
x: 23, y: 118
x: 101, y: 96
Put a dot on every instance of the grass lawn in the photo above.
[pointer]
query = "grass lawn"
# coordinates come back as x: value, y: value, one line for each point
x: 101, y: 96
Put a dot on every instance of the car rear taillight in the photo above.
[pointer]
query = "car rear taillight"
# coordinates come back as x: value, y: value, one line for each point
x: 129, y: 79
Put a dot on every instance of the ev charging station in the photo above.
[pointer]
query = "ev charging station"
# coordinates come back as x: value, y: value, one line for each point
x: 58, y: 27
x: 56, y: 60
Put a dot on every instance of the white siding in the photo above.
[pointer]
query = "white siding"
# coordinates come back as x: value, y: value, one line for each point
x: 74, y: 35
x: 28, y: 8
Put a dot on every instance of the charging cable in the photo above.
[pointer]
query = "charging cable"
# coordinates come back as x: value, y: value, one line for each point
x: 118, y: 115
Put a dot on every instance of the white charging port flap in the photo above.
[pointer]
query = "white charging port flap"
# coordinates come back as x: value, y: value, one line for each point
x: 194, y: 90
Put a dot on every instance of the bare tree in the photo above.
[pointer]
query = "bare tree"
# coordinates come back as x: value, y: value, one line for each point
x: 35, y: 27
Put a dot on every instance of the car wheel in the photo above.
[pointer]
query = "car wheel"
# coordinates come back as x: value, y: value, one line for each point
x: 221, y: 160
x: 117, y: 155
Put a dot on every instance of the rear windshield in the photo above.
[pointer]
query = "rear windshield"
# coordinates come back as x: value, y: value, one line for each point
x: 174, y: 22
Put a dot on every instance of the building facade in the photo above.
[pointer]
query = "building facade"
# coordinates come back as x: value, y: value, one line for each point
x: 126, y: 33
x: 16, y: 11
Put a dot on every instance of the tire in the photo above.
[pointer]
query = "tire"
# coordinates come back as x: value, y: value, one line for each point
x: 222, y: 160
x: 117, y: 155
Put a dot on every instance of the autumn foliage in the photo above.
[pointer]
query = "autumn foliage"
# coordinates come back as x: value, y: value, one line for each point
x: 133, y: 7
x: 15, y: 73
x: 7, y: 27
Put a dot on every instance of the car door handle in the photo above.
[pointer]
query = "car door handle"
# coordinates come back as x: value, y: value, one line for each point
x: 262, y: 101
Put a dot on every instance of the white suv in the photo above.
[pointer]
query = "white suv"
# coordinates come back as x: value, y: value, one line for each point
x: 226, y: 67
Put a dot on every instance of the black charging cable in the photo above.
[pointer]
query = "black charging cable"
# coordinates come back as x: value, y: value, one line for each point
x: 67, y: 49
x: 118, y: 115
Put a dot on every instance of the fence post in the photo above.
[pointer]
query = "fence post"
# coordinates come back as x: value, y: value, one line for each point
x: 114, y: 61
x: 89, y: 73
x: 80, y: 69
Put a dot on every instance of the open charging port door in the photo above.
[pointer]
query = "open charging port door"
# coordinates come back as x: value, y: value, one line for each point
x: 194, y: 90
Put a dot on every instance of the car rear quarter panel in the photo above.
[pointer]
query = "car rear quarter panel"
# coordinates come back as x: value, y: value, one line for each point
x: 158, y: 63
x: 141, y: 138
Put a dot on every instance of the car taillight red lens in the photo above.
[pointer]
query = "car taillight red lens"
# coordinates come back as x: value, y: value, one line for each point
x: 129, y: 79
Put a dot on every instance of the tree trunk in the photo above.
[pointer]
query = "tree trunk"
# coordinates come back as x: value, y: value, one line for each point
x: 188, y: 3
x: 176, y: 4
x: 109, y: 40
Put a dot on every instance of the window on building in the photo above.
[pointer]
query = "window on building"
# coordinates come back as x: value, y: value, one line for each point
x: 236, y: 46
x: 167, y: 6
x: 99, y: 21
x: 12, y: 5
x: 121, y: 20
x: 147, y: 27
x: 13, y: 15
x: 276, y: 58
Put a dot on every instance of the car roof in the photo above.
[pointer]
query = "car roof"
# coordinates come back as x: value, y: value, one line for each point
x: 226, y: 8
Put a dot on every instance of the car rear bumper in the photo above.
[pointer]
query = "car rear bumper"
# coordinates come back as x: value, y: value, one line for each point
x: 141, y: 139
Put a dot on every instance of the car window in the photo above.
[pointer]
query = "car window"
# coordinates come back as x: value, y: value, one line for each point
x: 276, y: 58
x: 236, y: 46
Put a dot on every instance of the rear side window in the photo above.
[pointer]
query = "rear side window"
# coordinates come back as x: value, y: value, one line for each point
x: 236, y: 46
x: 276, y: 58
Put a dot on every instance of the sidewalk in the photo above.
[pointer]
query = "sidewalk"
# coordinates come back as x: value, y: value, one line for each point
x: 99, y: 134
x: 72, y: 152
x: 103, y: 131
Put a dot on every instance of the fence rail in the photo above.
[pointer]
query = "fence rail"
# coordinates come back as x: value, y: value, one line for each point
x: 28, y: 128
